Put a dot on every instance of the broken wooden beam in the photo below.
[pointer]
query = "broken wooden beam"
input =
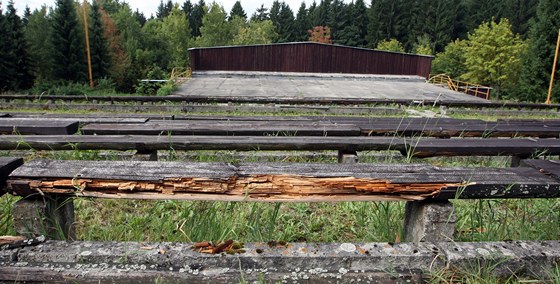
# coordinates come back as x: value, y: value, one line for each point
x: 288, y: 182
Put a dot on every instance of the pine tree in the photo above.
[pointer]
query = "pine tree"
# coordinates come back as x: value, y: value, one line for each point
x: 261, y: 14
x: 199, y: 11
x: 337, y: 19
x: 388, y: 19
x: 322, y: 14
x: 188, y: 10
x: 26, y: 14
x: 361, y: 21
x: 68, y: 44
x: 100, y: 60
x: 274, y: 14
x: 237, y: 10
x: 302, y: 24
x: 164, y: 9
x: 37, y: 33
x: 6, y: 54
x: 285, y: 27
x: 434, y: 20
x: 140, y: 17
x: 519, y: 12
x: 537, y: 63
x: 22, y: 76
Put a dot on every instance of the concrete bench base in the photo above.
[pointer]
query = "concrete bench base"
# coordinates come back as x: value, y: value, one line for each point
x: 126, y: 262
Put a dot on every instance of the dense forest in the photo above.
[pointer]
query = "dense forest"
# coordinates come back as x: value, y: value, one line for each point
x: 507, y: 44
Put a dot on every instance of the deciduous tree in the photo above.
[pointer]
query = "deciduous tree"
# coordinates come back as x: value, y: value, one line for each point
x: 493, y: 56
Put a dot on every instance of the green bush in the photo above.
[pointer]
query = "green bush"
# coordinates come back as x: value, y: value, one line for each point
x: 166, y: 89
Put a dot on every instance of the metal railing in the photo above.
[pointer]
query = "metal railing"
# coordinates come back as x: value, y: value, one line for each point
x: 180, y: 74
x: 472, y: 89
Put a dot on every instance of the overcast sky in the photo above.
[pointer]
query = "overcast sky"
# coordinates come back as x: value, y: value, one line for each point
x: 149, y: 7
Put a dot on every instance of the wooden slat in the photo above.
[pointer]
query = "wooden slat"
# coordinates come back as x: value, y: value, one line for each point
x: 276, y: 182
x: 40, y: 126
x: 86, y: 120
x: 276, y: 128
x: 483, y: 147
x: 548, y: 167
x: 421, y: 148
x: 7, y: 165
x: 239, y: 143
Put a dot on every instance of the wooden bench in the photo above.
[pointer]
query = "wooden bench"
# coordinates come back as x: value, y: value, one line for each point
x: 408, y: 147
x: 48, y: 186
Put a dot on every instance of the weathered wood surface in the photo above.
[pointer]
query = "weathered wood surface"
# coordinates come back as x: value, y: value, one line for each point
x: 449, y: 127
x: 93, y: 116
x: 548, y: 167
x: 423, y: 147
x: 83, y: 120
x: 39, y: 126
x: 276, y: 182
x: 7, y: 165
x: 204, y: 127
x: 333, y: 126
x: 522, y: 147
x: 164, y: 142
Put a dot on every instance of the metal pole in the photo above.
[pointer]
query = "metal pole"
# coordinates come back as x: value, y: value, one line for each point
x: 87, y: 46
x: 553, y: 70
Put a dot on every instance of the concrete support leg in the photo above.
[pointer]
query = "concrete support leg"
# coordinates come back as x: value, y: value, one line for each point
x: 50, y: 216
x: 429, y: 221
x: 347, y: 157
x: 145, y: 156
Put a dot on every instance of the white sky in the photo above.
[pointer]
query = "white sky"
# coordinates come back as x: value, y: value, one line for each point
x: 150, y: 7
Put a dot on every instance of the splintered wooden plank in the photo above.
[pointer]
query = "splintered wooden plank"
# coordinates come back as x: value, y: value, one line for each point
x: 39, y: 126
x: 188, y: 127
x: 164, y: 142
x: 274, y: 181
x: 7, y: 165
x: 483, y: 147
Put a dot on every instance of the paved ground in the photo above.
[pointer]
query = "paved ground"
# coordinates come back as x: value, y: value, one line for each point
x: 312, y: 85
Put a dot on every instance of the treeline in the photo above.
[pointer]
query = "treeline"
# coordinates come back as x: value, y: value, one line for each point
x: 508, y: 44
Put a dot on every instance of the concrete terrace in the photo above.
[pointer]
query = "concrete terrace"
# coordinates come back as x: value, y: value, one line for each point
x: 316, y: 85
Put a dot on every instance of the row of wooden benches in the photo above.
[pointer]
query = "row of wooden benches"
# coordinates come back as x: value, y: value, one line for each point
x: 289, y: 100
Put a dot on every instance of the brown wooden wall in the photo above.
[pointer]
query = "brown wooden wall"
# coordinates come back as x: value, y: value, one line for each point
x: 308, y: 57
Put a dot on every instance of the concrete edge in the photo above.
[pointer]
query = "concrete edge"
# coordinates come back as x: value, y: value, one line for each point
x: 294, y: 262
x: 373, y: 77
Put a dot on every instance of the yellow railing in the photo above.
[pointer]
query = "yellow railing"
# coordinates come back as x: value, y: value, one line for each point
x: 180, y: 74
x: 460, y: 86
